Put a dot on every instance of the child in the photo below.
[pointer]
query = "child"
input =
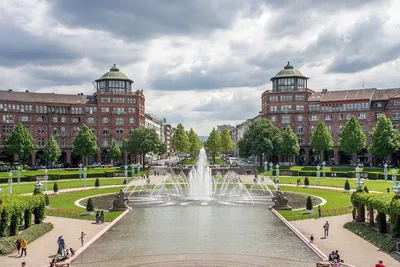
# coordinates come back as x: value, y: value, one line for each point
x: 311, y: 239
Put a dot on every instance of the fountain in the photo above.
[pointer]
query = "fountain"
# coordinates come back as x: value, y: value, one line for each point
x: 200, y: 187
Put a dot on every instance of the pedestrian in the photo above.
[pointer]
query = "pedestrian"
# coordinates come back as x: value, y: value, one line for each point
x: 24, y: 245
x: 311, y: 239
x: 18, y: 245
x: 319, y: 211
x: 23, y: 264
x: 82, y: 238
x: 101, y: 217
x: 61, y: 245
x: 326, y: 229
x: 380, y: 264
x: 97, y: 217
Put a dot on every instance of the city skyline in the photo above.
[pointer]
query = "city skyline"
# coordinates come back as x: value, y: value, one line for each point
x: 200, y: 72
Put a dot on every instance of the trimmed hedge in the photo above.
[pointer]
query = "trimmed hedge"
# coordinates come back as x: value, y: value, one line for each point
x: 7, y: 244
x: 382, y: 241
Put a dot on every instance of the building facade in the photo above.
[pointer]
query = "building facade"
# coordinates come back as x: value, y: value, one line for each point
x: 227, y: 126
x: 168, y: 138
x: 111, y: 113
x: 291, y: 102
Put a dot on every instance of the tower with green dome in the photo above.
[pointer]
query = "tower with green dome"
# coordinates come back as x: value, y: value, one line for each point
x: 289, y: 80
x: 114, y: 81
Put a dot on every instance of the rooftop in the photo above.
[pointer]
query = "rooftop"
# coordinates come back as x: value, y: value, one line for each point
x: 32, y: 97
x: 343, y: 95
x: 289, y: 71
x: 114, y: 74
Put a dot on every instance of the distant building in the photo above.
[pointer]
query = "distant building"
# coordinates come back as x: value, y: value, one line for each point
x: 203, y: 138
x: 168, y: 137
x: 239, y: 131
x: 228, y: 126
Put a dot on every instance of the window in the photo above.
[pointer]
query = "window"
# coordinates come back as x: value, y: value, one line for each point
x: 341, y: 116
x: 105, y: 109
x: 131, y: 110
x: 105, y: 131
x: 91, y: 120
x: 76, y: 120
x: 119, y: 121
x: 120, y: 130
x: 348, y: 116
x: 55, y: 119
x: 299, y: 118
x: 8, y: 118
x: 41, y: 130
x: 273, y: 119
x: 362, y: 116
x: 299, y: 97
x: 105, y: 142
x: 105, y: 120
x: 62, y: 131
x: 285, y: 119
x: 300, y: 130
x: 299, y: 107
x: 328, y: 117
x: 41, y: 142
x: 63, y: 119
x: 131, y: 120
x: 314, y: 118
x: 25, y: 118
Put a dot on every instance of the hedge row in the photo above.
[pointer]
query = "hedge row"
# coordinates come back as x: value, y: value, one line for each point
x: 349, y: 174
x: 376, y: 201
x: 7, y: 244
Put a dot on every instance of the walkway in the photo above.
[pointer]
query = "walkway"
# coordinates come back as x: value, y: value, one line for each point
x: 42, y: 250
x: 352, y: 248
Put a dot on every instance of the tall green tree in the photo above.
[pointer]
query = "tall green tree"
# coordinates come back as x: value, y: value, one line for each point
x: 85, y: 143
x: 52, y: 151
x: 213, y: 144
x: 353, y: 139
x: 115, y: 152
x: 385, y: 139
x: 20, y: 143
x: 194, y: 143
x: 143, y: 141
x: 290, y: 145
x: 226, y: 141
x: 180, y: 140
x: 321, y: 139
x: 262, y: 137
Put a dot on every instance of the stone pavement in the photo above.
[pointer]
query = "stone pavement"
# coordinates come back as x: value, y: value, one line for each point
x: 352, y: 248
x: 42, y: 250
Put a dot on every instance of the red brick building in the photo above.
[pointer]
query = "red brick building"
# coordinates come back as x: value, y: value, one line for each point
x: 111, y: 112
x: 291, y: 102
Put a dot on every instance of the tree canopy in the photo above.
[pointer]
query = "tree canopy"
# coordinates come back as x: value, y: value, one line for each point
x: 180, y: 140
x: 321, y: 139
x: 213, y: 144
x: 385, y: 139
x: 52, y: 150
x: 194, y: 143
x: 290, y: 145
x: 20, y: 142
x: 85, y: 143
x: 115, y: 152
x: 353, y: 139
x: 226, y: 141
x: 261, y: 137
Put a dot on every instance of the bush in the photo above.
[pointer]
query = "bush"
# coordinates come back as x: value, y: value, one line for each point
x: 97, y: 182
x: 55, y: 187
x: 54, y: 177
x: 295, y: 173
x: 14, y: 224
x: 7, y: 244
x: 347, y: 185
x: 309, y: 204
x: 306, y: 181
x: 373, y: 175
x: 47, y: 200
x: 28, y: 218
x: 90, y: 205
x: 366, y: 189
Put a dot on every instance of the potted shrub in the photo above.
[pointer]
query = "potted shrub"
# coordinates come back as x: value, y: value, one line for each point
x: 55, y: 188
x: 47, y: 200
x: 347, y: 186
x: 306, y: 182
x: 97, y: 183
x: 90, y: 206
x: 309, y: 205
x: 366, y: 189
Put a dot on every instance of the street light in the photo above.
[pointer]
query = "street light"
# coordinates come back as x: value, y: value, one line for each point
x: 396, y: 189
x: 318, y: 174
x: 277, y: 171
x: 46, y: 177
x: 19, y: 174
x: 80, y: 171
x: 359, y: 183
x: 271, y: 168
x: 385, y: 171
x: 84, y: 176
x: 138, y: 169
x: 265, y: 166
x: 126, y: 172
x: 10, y: 183
x: 394, y: 178
x: 38, y: 185
x: 323, y: 168
x: 133, y: 170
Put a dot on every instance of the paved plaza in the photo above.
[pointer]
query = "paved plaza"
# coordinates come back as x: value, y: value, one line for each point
x: 41, y: 251
x: 352, y: 248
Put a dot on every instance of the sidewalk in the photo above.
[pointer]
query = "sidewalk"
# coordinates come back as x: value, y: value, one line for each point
x: 352, y: 248
x: 42, y: 250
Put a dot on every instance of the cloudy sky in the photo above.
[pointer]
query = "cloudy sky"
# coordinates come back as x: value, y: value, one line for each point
x: 200, y: 62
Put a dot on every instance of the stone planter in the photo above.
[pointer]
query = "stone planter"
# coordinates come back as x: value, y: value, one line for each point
x: 347, y: 191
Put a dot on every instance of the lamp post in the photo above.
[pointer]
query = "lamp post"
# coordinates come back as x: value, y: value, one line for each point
x: 126, y: 172
x: 385, y: 171
x: 277, y: 171
x: 80, y: 171
x: 394, y: 178
x: 10, y: 183
x: 396, y: 189
x: 138, y: 169
x: 265, y: 167
x: 133, y: 170
x: 46, y: 178
x: 19, y: 174
x: 323, y: 169
x: 318, y: 174
x: 84, y: 176
x: 359, y: 183
x: 38, y: 186
x: 271, y: 168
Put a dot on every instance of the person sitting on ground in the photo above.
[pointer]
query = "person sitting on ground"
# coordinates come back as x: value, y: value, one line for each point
x: 67, y: 255
x: 331, y: 256
x: 380, y: 264
x: 337, y: 256
x: 72, y: 251
x: 335, y: 263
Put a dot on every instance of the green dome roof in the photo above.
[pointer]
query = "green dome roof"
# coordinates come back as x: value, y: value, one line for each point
x: 289, y: 71
x: 113, y: 74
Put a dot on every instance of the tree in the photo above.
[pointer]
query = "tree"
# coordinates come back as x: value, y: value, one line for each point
x: 85, y: 143
x: 262, y: 137
x: 143, y: 141
x: 309, y: 204
x: 385, y: 139
x: 52, y: 150
x: 180, y: 140
x: 55, y: 188
x: 194, y: 143
x: 353, y: 139
x: 290, y: 146
x: 321, y: 139
x: 226, y: 141
x: 97, y: 183
x: 115, y: 152
x: 90, y: 205
x: 347, y: 185
x: 213, y: 144
x: 20, y: 143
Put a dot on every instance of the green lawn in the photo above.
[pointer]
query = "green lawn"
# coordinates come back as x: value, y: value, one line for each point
x: 57, y: 171
x: 337, y: 202
x: 25, y: 188
x: 62, y: 205
x: 329, y: 169
x: 377, y: 185
x: 191, y: 161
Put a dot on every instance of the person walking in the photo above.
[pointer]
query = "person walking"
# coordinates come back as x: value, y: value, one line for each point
x: 319, y: 211
x: 18, y: 245
x: 24, y: 245
x: 326, y: 229
x: 82, y: 238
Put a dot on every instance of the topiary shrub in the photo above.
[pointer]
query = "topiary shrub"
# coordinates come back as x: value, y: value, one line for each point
x: 27, y: 218
x: 366, y: 189
x: 55, y: 188
x: 309, y: 204
x: 347, y: 186
x: 306, y: 182
x: 14, y: 224
x: 90, y: 205
x: 97, y: 183
x: 47, y: 200
x: 5, y: 217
